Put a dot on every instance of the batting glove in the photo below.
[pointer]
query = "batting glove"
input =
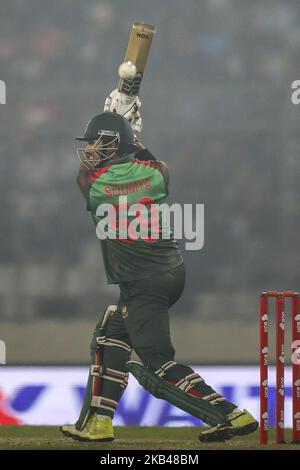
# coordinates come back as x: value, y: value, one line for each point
x: 127, y: 106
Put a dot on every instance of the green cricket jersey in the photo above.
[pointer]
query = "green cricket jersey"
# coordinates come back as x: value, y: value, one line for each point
x: 122, y: 184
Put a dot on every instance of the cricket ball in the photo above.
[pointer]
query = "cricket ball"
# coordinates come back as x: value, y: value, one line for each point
x: 127, y: 70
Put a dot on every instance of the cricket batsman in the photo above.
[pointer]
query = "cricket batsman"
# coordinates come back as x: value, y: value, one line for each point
x: 150, y: 273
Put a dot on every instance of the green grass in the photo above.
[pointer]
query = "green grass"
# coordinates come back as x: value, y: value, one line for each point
x: 129, y: 438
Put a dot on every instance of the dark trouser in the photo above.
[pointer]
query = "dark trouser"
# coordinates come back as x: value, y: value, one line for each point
x: 141, y: 322
x: 145, y: 321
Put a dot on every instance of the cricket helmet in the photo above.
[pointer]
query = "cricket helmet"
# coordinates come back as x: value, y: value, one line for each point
x: 110, y: 128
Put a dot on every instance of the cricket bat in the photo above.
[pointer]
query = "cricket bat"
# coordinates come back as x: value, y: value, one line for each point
x: 137, y: 52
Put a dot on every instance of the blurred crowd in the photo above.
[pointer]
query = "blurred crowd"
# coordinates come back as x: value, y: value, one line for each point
x: 216, y: 108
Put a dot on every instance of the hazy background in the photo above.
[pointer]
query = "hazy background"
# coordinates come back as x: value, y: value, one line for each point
x: 216, y: 107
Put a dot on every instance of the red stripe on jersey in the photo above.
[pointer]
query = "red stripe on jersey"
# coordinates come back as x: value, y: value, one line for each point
x: 97, y: 173
x: 151, y: 164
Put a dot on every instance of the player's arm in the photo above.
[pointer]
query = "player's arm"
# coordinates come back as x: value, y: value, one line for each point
x: 144, y: 154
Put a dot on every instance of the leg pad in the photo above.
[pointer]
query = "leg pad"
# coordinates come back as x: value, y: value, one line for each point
x: 199, y: 408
